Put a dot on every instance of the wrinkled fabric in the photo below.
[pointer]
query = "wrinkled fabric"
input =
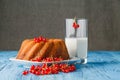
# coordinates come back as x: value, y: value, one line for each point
x: 101, y: 65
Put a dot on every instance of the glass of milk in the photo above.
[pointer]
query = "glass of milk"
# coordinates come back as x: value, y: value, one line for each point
x: 82, y: 39
x: 70, y: 40
x: 77, y: 45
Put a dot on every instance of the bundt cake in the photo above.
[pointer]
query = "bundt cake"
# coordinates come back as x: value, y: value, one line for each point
x: 33, y: 48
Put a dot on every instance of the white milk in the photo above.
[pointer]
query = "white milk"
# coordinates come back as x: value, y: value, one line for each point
x: 82, y: 47
x: 71, y: 44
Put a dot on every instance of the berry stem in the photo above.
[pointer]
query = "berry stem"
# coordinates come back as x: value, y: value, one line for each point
x: 75, y: 34
x: 75, y: 26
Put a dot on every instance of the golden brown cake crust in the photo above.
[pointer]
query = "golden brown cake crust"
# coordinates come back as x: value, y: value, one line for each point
x: 51, y: 48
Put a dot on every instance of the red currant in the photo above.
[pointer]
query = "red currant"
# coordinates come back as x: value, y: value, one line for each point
x: 38, y: 59
x: 66, y: 70
x: 33, y: 71
x: 44, y: 65
x: 54, y: 71
x: 42, y: 72
x: 32, y: 67
x: 56, y: 67
x: 38, y: 67
x: 37, y: 72
x: 75, y: 25
x: 25, y: 72
x: 44, y: 39
x: 41, y: 38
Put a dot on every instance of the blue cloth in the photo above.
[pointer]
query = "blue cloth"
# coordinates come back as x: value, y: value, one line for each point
x: 102, y: 65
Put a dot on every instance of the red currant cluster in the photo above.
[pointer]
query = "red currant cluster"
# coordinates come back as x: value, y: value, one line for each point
x: 39, y: 39
x: 46, y: 69
x: 47, y: 59
x: 75, y: 25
